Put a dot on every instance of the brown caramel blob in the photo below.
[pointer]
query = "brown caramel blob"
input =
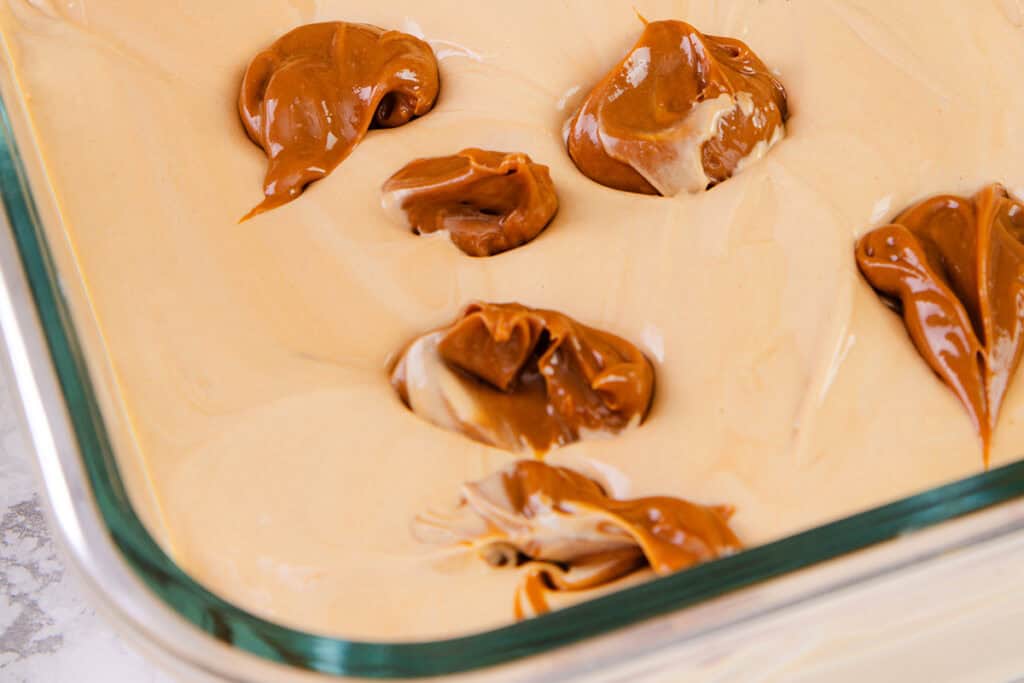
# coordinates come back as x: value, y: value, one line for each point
x: 568, y: 535
x: 682, y: 112
x: 524, y: 379
x: 488, y: 202
x: 309, y: 98
x: 955, y: 268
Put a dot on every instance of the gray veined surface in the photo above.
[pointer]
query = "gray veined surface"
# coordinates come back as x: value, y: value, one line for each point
x: 48, y: 633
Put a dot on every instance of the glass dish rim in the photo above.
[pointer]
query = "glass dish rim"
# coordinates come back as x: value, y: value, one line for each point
x: 334, y: 656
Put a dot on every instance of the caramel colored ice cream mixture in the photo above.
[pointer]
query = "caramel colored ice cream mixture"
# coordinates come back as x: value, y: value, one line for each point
x: 243, y: 368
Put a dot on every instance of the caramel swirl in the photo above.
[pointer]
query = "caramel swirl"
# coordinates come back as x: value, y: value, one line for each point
x: 682, y: 112
x: 524, y: 379
x: 487, y: 202
x: 567, y: 534
x: 309, y: 98
x: 955, y: 268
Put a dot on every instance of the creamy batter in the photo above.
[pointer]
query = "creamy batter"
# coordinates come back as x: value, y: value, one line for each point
x: 244, y: 366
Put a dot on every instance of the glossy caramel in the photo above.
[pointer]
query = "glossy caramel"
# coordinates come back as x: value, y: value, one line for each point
x: 309, y: 98
x: 681, y: 112
x: 488, y: 202
x: 567, y: 534
x: 955, y: 268
x: 528, y: 379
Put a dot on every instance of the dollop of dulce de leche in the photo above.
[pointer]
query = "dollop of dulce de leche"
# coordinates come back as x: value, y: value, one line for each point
x: 309, y: 98
x: 488, y: 202
x: 954, y: 267
x: 682, y: 112
x: 524, y: 379
x: 566, y: 534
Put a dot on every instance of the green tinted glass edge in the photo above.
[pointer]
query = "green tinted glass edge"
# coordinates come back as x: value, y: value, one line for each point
x: 406, y: 660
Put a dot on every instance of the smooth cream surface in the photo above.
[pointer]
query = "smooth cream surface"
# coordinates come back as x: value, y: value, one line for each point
x: 244, y: 365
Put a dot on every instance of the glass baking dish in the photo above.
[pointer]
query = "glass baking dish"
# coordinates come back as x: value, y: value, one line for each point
x: 143, y: 589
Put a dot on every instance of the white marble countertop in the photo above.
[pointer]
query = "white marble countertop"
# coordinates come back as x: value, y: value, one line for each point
x: 48, y: 633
